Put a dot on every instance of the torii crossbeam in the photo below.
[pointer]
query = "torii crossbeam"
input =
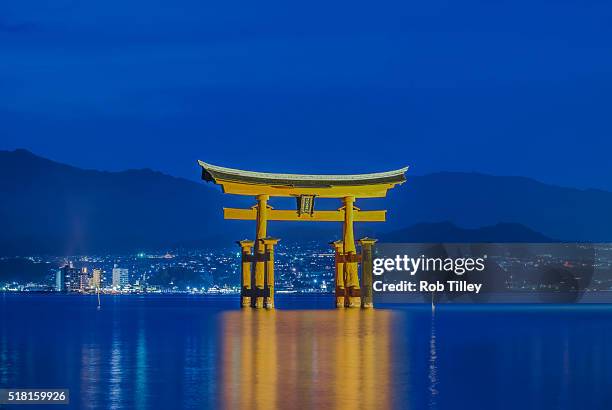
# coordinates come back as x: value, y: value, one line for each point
x: 258, y: 291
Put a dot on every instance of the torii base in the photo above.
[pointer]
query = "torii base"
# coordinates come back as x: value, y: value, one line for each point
x: 245, y: 301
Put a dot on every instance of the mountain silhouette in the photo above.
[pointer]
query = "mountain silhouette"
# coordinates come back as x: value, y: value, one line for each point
x: 474, y: 200
x: 451, y: 233
x: 48, y: 207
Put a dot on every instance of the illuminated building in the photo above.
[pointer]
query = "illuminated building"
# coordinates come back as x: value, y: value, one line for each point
x: 96, y: 279
x: 120, y: 277
x: 60, y: 280
x: 67, y: 279
x: 84, y: 279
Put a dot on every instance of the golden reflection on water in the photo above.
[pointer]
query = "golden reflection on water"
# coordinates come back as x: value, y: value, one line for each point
x: 306, y: 359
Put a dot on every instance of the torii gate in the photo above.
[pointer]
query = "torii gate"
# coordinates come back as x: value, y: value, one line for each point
x: 258, y: 291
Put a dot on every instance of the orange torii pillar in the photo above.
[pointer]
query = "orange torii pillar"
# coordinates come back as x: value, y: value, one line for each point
x: 269, y: 271
x: 351, y: 275
x: 339, y: 273
x: 367, y: 245
x: 245, y: 279
x: 259, y: 255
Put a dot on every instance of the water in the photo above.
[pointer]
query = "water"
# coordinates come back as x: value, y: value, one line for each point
x: 168, y: 352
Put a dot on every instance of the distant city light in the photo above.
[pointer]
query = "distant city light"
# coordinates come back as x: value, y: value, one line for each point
x: 202, y: 271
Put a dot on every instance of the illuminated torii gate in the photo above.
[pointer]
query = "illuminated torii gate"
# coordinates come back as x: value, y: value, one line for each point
x: 258, y: 291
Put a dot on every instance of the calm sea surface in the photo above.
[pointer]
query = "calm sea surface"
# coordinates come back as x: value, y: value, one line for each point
x: 169, y: 352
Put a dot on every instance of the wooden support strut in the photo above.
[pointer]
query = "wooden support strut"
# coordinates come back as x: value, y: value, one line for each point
x: 349, y: 258
x: 258, y: 257
x: 339, y: 273
x: 267, y: 292
x: 245, y: 278
x: 269, y: 271
x: 367, y: 261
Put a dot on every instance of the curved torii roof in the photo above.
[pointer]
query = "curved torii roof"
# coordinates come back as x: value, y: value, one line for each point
x: 236, y: 181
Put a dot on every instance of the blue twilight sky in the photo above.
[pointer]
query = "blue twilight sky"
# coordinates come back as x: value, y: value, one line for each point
x: 521, y: 87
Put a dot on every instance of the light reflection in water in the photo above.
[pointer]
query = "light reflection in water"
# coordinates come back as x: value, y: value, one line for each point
x: 115, y: 394
x: 141, y: 368
x: 90, y: 374
x: 4, y: 364
x: 179, y: 353
x: 192, y: 390
x: 306, y: 359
